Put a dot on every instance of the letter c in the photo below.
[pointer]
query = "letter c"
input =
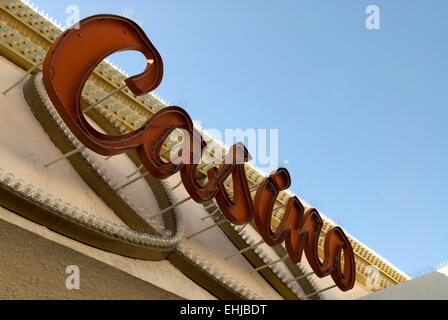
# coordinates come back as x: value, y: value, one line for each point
x: 70, y: 61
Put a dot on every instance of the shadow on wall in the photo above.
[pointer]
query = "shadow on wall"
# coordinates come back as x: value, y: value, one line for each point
x: 432, y: 286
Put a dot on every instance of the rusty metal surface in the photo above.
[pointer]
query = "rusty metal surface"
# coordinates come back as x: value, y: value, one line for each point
x: 301, y: 230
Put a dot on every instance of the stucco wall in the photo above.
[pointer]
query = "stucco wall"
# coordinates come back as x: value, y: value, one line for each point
x: 433, y: 286
x: 33, y: 261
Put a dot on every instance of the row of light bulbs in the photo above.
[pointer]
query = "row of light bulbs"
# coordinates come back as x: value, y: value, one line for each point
x: 122, y: 232
x: 130, y: 235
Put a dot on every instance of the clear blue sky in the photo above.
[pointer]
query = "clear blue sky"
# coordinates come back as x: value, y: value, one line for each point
x: 362, y: 113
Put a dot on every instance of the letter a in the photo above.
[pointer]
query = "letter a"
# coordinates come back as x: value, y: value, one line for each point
x: 72, y: 282
x: 373, y: 20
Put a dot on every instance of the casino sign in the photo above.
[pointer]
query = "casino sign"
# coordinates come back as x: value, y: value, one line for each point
x: 55, y: 97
